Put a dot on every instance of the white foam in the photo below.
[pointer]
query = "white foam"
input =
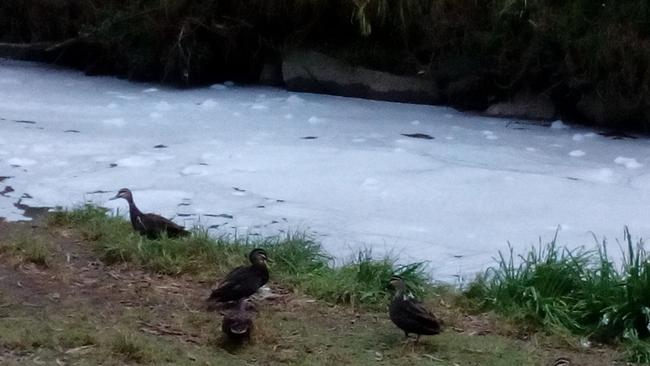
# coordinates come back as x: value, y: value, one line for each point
x: 21, y: 162
x: 117, y: 122
x: 629, y: 163
x: 360, y: 183
x: 558, y: 125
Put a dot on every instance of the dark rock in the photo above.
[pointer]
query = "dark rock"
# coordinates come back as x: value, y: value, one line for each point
x: 617, y: 135
x: 271, y: 75
x: 310, y: 71
x: 309, y: 137
x: 113, y: 165
x: 25, y: 121
x: 613, y: 110
x: 160, y: 146
x: 528, y: 106
x: 470, y: 92
x: 72, y: 131
x: 418, y: 136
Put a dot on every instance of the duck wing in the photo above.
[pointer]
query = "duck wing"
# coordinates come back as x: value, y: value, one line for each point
x: 239, y: 283
x: 418, y: 313
x: 153, y: 223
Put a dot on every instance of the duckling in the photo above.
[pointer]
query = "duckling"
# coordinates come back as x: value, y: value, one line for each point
x: 149, y: 224
x: 408, y: 314
x: 238, y: 323
x: 243, y: 281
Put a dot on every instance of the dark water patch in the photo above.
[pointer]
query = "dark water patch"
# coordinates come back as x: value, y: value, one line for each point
x: 280, y: 201
x: 72, y: 131
x: 225, y: 216
x: 571, y: 178
x: 26, y: 195
x: 261, y: 206
x: 274, y: 222
x: 7, y: 189
x: 31, y: 212
x: 617, y: 135
x: 184, y: 204
x: 112, y: 165
x: 309, y: 137
x: 184, y: 215
x: 160, y: 146
x: 204, y: 164
x: 238, y: 189
x: 516, y: 126
x: 98, y: 192
x: 24, y: 121
x: 418, y: 136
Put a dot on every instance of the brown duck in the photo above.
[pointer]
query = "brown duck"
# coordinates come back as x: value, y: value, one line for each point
x: 149, y: 224
x: 238, y: 323
x: 243, y: 281
x: 408, y: 314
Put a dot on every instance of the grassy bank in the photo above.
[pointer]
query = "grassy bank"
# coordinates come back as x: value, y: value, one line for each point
x: 104, y: 295
x: 586, y: 293
x: 298, y: 261
x: 581, y: 53
x: 589, y: 293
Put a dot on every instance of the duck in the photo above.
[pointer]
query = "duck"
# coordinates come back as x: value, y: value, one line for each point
x: 409, y: 314
x: 148, y: 224
x: 237, y: 323
x: 243, y: 281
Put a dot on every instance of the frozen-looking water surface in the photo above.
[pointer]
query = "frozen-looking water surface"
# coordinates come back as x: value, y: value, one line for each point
x: 357, y: 173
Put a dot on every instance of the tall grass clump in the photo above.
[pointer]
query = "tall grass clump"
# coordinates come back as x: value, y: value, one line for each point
x: 297, y: 260
x: 584, y: 291
x: 363, y: 280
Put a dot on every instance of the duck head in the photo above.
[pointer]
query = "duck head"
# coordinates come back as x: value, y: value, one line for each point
x: 124, y: 193
x: 258, y: 257
x: 397, y: 283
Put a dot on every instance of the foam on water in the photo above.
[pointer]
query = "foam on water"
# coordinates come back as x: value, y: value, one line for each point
x: 236, y: 158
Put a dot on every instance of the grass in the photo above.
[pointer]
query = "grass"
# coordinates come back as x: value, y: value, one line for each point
x: 124, y: 315
x: 28, y: 248
x: 588, y: 293
x: 297, y: 259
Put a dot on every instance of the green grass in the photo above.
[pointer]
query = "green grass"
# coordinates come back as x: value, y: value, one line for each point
x: 586, y: 292
x: 298, y: 260
x: 33, y: 249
